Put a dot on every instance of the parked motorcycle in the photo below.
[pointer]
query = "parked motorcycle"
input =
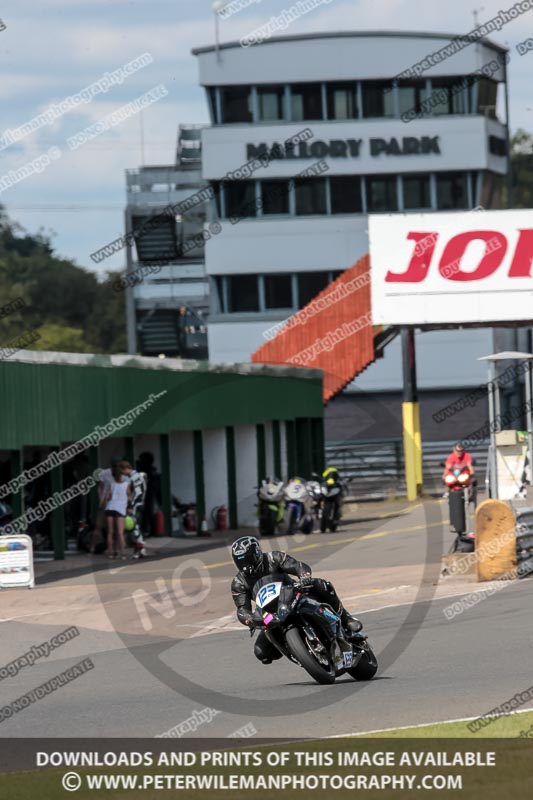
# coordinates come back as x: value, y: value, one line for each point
x: 314, y: 490
x: 309, y: 633
x: 458, y: 482
x: 270, y: 505
x: 331, y: 507
x: 298, y: 505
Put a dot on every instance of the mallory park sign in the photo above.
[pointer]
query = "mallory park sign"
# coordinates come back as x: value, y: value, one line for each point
x: 347, y: 148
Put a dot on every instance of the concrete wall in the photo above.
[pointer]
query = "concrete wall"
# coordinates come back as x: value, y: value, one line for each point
x: 182, y: 465
x: 463, y: 143
x: 334, y: 56
x: 246, y: 457
x: 215, y: 470
x: 283, y: 438
x: 269, y: 448
x: 288, y: 245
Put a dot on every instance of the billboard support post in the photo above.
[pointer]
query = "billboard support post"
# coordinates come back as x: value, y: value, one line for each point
x: 412, y: 442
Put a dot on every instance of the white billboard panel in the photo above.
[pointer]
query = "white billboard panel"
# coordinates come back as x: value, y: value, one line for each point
x: 16, y: 561
x: 472, y: 266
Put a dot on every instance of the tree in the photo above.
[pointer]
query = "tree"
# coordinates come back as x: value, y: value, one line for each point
x: 69, y: 306
x: 522, y: 169
x: 60, y: 338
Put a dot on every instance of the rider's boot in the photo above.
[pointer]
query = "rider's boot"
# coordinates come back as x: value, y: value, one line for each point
x: 351, y: 625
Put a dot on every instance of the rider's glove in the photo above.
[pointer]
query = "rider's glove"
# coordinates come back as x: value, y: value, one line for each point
x: 306, y: 580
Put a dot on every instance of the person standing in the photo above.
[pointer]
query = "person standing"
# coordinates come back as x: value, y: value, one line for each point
x: 117, y: 499
x: 135, y: 509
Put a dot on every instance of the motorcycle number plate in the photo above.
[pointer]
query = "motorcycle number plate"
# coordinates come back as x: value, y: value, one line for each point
x: 268, y: 593
x: 348, y: 660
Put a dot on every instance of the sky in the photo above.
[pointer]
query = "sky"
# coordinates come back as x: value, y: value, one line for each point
x: 52, y: 49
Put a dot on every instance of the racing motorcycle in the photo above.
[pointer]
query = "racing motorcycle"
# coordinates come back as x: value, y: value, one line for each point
x: 270, y: 505
x: 309, y: 633
x: 298, y: 507
x: 458, y: 482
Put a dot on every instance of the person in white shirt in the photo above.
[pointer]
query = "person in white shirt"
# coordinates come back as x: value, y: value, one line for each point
x: 116, y: 498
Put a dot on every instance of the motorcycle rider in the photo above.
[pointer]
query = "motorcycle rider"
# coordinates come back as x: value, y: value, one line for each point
x: 253, y: 564
x: 458, y: 459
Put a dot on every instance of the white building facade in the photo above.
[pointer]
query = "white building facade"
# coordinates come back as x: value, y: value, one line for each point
x: 328, y: 106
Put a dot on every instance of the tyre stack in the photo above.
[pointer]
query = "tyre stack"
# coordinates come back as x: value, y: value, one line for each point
x: 524, y: 542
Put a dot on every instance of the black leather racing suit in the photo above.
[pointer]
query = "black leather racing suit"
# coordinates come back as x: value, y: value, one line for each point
x: 275, y: 561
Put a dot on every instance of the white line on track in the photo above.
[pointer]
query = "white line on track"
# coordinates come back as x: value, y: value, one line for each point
x: 423, y: 725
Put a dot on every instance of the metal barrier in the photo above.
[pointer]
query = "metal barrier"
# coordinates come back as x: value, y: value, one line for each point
x: 374, y: 468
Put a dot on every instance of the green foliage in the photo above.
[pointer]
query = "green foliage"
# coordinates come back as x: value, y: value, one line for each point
x: 522, y: 169
x: 73, y: 310
x: 60, y: 338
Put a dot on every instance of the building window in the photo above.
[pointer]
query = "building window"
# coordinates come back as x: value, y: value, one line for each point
x: 309, y: 285
x: 381, y: 194
x: 342, y: 100
x: 215, y: 185
x: 236, y: 103
x: 275, y: 197
x: 410, y: 95
x: 346, y: 195
x: 451, y: 191
x: 243, y: 293
x: 310, y: 194
x: 278, y: 291
x: 219, y: 294
x: 497, y: 146
x: 270, y: 102
x: 378, y: 99
x: 240, y: 199
x: 212, y: 101
x: 306, y: 101
x: 449, y: 96
x: 416, y: 192
x: 487, y: 95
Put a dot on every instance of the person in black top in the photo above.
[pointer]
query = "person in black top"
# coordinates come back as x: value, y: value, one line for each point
x: 253, y: 564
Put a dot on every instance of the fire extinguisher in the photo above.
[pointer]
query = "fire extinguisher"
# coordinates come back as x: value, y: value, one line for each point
x: 221, y: 518
x: 189, y: 522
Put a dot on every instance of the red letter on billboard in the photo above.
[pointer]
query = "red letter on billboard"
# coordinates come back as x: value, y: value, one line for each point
x: 521, y: 266
x: 450, y: 262
x: 419, y: 264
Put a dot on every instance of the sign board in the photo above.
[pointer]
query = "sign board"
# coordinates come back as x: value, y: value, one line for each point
x: 511, y: 464
x: 451, y: 268
x: 347, y: 148
x: 16, y: 562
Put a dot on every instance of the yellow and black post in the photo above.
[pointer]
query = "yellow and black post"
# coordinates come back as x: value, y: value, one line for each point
x: 412, y: 441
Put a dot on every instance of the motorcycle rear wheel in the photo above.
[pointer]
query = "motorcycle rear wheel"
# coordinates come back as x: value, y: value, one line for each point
x: 300, y: 650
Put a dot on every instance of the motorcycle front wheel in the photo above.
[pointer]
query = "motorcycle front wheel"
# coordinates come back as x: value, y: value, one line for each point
x: 366, y: 667
x: 293, y: 523
x: 267, y: 523
x: 320, y: 672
